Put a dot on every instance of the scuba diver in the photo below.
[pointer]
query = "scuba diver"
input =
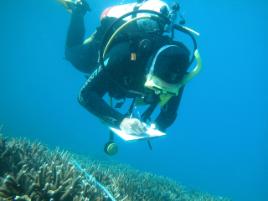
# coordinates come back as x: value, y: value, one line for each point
x: 131, y: 55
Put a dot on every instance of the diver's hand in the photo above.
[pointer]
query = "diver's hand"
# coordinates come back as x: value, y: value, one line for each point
x: 81, y: 6
x: 133, y: 126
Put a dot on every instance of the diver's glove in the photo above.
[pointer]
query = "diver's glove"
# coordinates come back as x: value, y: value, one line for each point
x: 133, y: 126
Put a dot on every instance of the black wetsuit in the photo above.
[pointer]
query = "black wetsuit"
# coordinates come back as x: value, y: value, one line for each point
x: 122, y: 77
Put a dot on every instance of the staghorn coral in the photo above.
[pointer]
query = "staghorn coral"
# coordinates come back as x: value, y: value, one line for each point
x: 32, y: 172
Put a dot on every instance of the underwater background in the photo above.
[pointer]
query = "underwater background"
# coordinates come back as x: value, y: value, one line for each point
x: 218, y: 144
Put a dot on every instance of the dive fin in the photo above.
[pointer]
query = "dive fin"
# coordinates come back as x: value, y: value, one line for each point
x: 68, y: 4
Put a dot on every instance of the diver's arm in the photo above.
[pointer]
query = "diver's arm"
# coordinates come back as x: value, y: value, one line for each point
x: 91, y: 97
x: 168, y: 113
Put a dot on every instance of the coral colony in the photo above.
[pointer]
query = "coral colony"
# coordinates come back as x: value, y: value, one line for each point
x: 31, y: 172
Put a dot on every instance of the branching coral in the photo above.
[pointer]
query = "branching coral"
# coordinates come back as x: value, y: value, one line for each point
x: 32, y: 172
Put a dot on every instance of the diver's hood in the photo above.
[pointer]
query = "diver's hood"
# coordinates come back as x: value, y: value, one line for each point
x: 168, y: 71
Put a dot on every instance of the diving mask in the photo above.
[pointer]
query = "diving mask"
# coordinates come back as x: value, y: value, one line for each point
x: 160, y: 86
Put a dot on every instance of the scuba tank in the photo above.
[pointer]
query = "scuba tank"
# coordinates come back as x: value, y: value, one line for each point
x: 143, y: 25
x: 120, y: 10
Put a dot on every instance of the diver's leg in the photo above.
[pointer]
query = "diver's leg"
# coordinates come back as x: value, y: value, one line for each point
x: 82, y: 54
x: 76, y: 30
x: 83, y: 57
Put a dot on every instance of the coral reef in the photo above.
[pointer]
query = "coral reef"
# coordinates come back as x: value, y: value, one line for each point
x: 31, y: 172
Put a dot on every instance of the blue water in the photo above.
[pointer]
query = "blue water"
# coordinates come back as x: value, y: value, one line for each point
x: 219, y: 142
